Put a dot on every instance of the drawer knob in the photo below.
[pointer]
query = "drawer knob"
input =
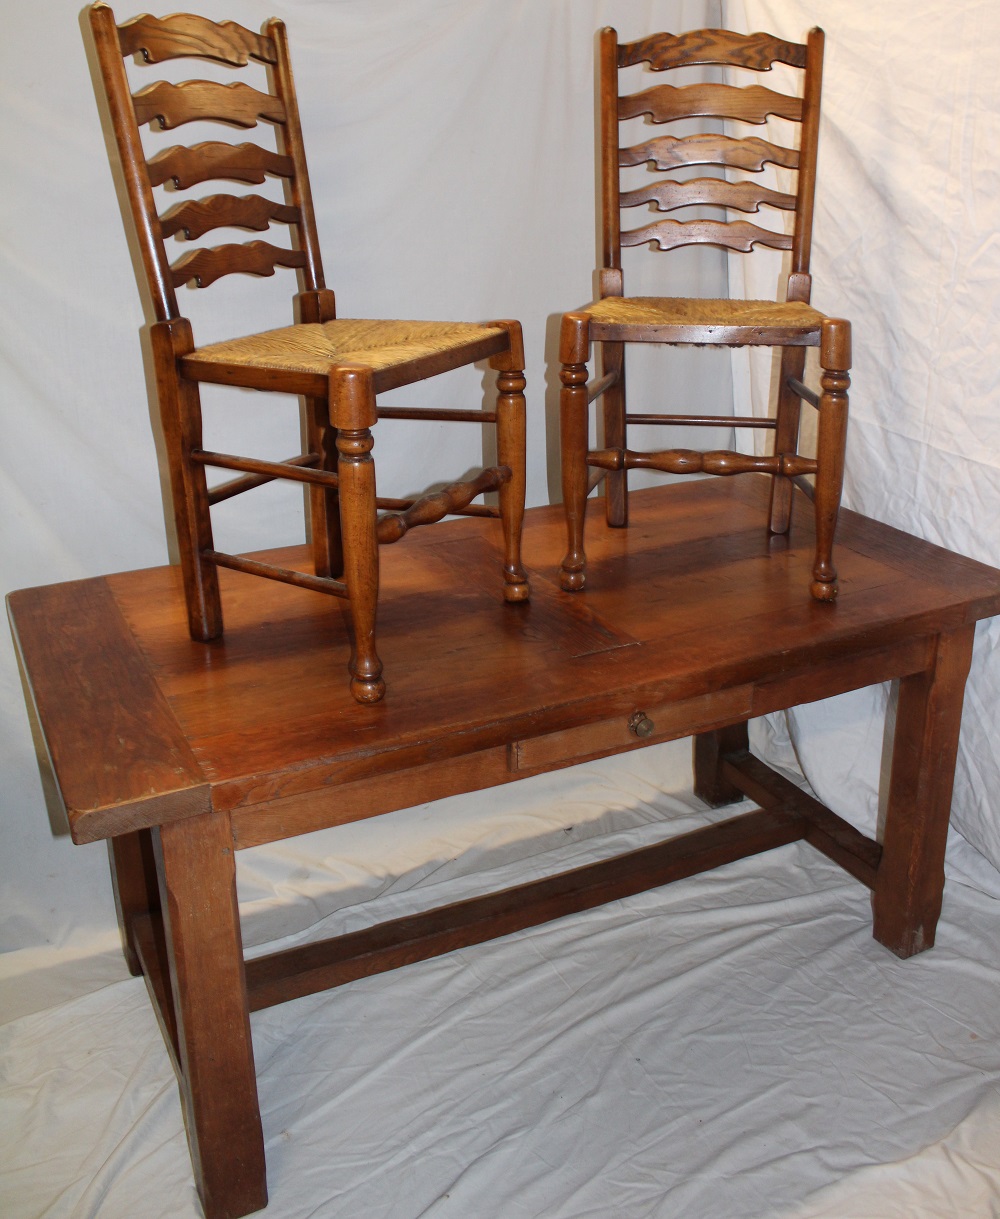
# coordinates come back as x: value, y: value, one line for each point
x: 640, y: 725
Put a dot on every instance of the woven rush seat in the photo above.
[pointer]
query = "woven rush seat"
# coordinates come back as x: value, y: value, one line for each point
x: 687, y: 311
x: 381, y: 345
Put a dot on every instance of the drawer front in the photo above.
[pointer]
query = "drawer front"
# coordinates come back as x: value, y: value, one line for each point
x: 643, y: 725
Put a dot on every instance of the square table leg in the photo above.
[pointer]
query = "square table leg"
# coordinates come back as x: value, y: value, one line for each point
x: 133, y: 878
x: 909, y: 883
x: 710, y: 783
x: 195, y: 861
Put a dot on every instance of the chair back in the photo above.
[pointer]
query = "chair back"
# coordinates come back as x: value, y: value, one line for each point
x: 167, y: 105
x: 732, y: 159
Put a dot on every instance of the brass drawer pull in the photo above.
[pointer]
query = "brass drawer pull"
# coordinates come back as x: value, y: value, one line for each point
x: 640, y: 725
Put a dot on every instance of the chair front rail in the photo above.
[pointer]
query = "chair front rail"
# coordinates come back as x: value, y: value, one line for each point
x: 436, y: 413
x: 602, y: 384
x: 295, y: 469
x: 253, y: 567
x: 803, y: 391
x: 703, y: 420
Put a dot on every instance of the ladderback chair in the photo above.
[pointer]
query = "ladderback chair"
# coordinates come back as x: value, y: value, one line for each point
x: 676, y: 183
x: 337, y: 366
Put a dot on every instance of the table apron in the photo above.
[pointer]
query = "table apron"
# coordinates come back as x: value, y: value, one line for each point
x: 342, y: 803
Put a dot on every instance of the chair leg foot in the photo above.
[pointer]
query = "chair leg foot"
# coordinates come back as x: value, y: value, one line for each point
x: 516, y: 589
x: 824, y: 590
x: 572, y: 579
x: 367, y: 689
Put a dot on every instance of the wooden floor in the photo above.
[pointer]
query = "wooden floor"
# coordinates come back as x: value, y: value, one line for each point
x: 694, y: 620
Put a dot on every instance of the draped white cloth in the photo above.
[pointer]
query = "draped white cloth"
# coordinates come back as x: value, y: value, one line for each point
x: 905, y: 247
x: 732, y: 1045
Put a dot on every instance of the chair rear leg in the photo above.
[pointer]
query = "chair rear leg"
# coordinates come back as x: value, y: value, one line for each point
x: 352, y: 409
x: 574, y: 347
x: 786, y: 435
x: 512, y: 452
x: 324, y: 503
x: 180, y: 415
x: 317, y: 306
x: 613, y: 401
x: 835, y: 359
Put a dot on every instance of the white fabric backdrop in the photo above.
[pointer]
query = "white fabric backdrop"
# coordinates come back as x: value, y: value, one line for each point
x: 905, y: 246
x: 760, y: 1054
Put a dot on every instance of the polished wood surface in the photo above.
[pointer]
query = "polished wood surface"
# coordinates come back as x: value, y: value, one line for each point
x: 182, y: 752
x: 338, y: 365
x: 616, y: 319
x: 192, y: 726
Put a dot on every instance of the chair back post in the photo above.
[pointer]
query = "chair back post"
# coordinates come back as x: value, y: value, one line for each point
x: 808, y: 149
x: 291, y: 143
x: 610, y: 185
x: 133, y: 162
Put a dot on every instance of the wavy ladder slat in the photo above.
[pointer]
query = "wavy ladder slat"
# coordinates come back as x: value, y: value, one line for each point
x: 187, y: 165
x: 673, y: 152
x: 174, y: 105
x: 739, y: 235
x: 757, y: 51
x: 205, y: 266
x: 750, y: 104
x: 669, y: 195
x: 159, y: 38
x: 195, y: 217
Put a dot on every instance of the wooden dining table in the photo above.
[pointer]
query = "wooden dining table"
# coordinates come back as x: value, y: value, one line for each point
x: 694, y: 620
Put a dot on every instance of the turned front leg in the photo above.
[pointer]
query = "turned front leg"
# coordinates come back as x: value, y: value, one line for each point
x: 835, y: 357
x: 352, y: 411
x: 574, y: 348
x: 512, y: 452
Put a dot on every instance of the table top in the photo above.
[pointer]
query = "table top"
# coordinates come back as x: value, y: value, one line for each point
x: 694, y: 614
